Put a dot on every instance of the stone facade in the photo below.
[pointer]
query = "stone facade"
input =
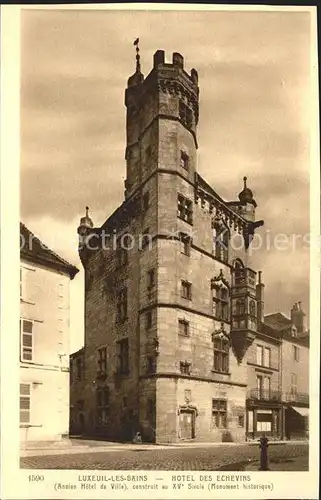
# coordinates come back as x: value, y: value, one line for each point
x: 168, y: 322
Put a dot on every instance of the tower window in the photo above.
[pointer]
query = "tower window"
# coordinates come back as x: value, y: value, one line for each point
x: 221, y: 355
x: 186, y: 243
x: 185, y: 367
x: 151, y: 364
x: 221, y: 309
x: 183, y: 327
x: 122, y: 347
x: 148, y: 320
x: 151, y: 278
x: 148, y: 153
x: 185, y: 114
x: 122, y: 305
x: 145, y: 239
x: 184, y: 209
x: 184, y: 161
x: 186, y: 290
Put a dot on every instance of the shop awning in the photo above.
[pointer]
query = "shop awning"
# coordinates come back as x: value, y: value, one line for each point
x: 302, y: 411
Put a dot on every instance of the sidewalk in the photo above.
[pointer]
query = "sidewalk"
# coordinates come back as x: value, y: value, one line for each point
x: 74, y: 446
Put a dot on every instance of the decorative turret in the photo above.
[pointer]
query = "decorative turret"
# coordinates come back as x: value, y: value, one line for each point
x: 137, y: 78
x: 244, y: 309
x: 84, y: 230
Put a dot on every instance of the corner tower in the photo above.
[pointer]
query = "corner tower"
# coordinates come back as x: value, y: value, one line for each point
x: 162, y: 116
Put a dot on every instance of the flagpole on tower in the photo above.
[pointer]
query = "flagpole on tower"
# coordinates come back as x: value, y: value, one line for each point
x: 136, y: 42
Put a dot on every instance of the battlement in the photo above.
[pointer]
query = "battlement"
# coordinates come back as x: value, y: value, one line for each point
x: 177, y: 62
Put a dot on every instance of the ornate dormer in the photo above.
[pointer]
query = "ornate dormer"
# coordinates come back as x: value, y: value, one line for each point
x: 221, y: 344
x: 244, y: 308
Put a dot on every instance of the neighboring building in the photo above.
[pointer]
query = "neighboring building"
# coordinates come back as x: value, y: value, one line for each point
x: 278, y: 378
x: 294, y: 368
x: 170, y: 308
x: 44, y: 341
x: 77, y: 403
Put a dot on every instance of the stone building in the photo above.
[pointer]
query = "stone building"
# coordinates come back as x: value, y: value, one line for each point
x: 278, y: 378
x: 170, y: 307
x: 44, y: 340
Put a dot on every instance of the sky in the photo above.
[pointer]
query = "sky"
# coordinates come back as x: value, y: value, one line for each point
x: 255, y: 116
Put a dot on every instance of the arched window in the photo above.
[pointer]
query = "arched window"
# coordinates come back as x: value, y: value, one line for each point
x: 221, y: 299
x: 239, y: 308
x: 221, y: 354
x: 239, y: 272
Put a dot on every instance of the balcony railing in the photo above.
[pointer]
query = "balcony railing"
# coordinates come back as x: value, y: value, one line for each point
x: 264, y: 394
x: 297, y: 397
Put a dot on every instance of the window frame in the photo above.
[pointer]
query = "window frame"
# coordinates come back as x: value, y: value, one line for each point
x: 102, y: 405
x: 267, y: 357
x: 184, y: 160
x: 185, y: 326
x: 186, y: 243
x: 122, y: 305
x: 219, y: 413
x: 185, y: 367
x: 151, y: 278
x: 26, y: 347
x: 184, y: 209
x: 102, y: 360
x: 123, y: 356
x: 221, y: 305
x: 186, y: 285
x: 26, y: 398
x: 221, y: 355
x: 259, y: 357
x: 148, y: 320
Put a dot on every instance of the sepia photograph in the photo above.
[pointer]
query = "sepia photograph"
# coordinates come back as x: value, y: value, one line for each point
x: 167, y: 315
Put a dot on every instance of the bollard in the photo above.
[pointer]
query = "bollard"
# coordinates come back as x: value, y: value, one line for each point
x: 264, y: 453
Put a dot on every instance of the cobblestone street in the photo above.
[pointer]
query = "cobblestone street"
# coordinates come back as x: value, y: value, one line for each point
x: 226, y: 457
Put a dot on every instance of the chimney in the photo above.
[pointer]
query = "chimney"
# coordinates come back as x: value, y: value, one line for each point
x: 298, y: 318
x: 260, y: 298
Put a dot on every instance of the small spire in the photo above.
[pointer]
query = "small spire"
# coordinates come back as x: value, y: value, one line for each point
x: 87, y: 212
x: 136, y: 42
x: 244, y: 179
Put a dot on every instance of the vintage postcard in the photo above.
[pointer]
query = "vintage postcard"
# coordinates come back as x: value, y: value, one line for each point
x: 160, y: 319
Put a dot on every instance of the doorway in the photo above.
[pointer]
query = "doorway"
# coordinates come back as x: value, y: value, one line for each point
x: 187, y: 424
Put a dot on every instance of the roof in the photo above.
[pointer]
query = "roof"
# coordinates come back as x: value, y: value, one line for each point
x: 78, y: 353
x: 277, y: 321
x: 278, y: 325
x: 38, y: 252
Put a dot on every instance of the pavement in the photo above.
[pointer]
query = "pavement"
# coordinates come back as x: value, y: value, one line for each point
x: 74, y: 446
x: 198, y: 457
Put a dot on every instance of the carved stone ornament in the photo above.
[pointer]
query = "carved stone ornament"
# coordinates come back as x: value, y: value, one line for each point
x: 220, y: 281
x: 221, y: 333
